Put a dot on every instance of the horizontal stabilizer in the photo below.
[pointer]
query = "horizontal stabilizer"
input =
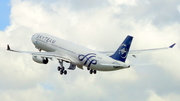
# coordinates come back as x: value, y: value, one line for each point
x: 116, y: 65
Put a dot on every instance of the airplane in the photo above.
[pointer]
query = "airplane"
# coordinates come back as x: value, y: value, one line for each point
x: 79, y: 56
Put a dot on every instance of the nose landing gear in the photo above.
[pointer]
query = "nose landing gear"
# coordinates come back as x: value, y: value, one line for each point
x: 91, y: 71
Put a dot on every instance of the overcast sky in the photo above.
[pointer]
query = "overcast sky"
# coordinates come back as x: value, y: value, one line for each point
x: 99, y: 25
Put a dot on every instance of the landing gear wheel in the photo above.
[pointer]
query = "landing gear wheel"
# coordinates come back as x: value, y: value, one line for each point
x: 91, y: 71
x: 65, y: 72
x: 95, y: 72
x: 61, y: 72
x: 58, y: 68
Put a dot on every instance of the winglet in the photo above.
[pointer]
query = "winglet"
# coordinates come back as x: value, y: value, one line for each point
x: 172, y: 45
x: 8, y: 47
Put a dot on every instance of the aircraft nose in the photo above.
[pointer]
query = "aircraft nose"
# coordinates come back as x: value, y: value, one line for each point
x: 33, y: 38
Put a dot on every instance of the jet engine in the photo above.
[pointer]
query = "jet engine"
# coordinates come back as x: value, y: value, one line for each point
x: 39, y: 59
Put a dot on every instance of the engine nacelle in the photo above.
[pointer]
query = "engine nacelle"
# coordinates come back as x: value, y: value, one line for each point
x: 39, y: 59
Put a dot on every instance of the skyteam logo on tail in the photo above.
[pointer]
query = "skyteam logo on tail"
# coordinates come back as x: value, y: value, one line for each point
x: 123, y: 51
x: 88, y: 58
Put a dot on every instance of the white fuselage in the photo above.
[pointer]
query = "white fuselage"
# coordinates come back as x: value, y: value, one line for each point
x: 79, y: 55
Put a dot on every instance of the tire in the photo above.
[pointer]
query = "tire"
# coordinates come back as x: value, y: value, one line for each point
x: 65, y: 72
x: 61, y: 72
x: 95, y: 72
x: 91, y: 71
x: 58, y: 68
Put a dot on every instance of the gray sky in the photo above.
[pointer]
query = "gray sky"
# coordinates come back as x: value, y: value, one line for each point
x: 99, y: 25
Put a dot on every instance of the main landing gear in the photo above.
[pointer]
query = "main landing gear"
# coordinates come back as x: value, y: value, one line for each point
x: 91, y: 71
x: 61, y: 68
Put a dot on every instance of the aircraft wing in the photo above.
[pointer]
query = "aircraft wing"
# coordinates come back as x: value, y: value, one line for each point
x: 49, y: 55
x: 141, y: 51
x: 154, y: 49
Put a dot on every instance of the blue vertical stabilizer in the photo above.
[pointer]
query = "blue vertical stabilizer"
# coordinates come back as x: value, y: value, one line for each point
x: 122, y: 51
